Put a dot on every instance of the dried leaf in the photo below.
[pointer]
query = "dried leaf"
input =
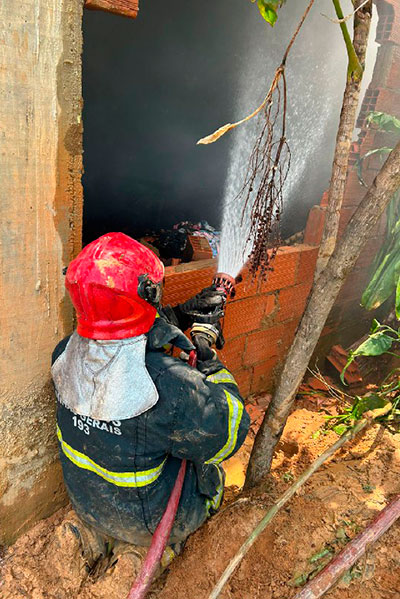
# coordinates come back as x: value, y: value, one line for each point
x: 209, y: 139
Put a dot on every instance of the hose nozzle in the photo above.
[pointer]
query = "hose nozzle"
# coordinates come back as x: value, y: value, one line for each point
x: 226, y: 284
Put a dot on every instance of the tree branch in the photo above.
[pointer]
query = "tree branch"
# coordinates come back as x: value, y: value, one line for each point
x: 344, y: 136
x: 354, y: 69
x: 320, y: 302
x: 338, y: 21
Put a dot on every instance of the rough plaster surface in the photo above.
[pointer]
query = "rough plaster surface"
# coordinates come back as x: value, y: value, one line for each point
x: 40, y: 231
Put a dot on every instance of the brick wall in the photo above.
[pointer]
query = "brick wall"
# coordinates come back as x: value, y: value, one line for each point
x: 261, y: 320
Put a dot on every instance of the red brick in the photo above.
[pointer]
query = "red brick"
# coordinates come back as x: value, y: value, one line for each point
x: 287, y: 337
x: 284, y: 273
x: 243, y: 378
x: 388, y: 29
x: 324, y: 199
x: 243, y: 316
x: 232, y: 354
x: 315, y: 225
x: 388, y: 101
x: 263, y: 345
x: 354, y: 286
x: 248, y: 287
x: 292, y: 301
x: 182, y: 282
x: 255, y: 413
x: 263, y: 375
x: 201, y: 248
x: 307, y: 262
x: 368, y: 253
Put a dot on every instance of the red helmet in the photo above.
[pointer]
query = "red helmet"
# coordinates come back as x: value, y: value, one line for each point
x: 115, y: 284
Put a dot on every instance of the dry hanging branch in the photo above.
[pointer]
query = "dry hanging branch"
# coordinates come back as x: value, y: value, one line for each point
x: 266, y: 174
x: 268, y: 168
x: 209, y: 139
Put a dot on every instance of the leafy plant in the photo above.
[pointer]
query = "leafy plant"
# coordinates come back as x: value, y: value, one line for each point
x: 269, y: 9
x: 383, y: 153
x: 379, y: 341
x: 340, y: 423
x: 384, y: 122
x: 386, y: 267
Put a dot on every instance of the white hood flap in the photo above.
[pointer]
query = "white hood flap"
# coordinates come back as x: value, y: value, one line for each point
x: 106, y: 380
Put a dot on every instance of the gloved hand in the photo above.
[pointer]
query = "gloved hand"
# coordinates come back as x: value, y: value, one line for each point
x: 205, y: 307
x: 204, y: 336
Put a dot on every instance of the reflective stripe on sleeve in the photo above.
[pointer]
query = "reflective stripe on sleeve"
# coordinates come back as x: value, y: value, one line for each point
x: 121, y: 479
x: 222, y: 376
x: 235, y: 412
x: 215, y: 502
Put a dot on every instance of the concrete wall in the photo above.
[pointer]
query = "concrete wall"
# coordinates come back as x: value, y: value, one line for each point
x: 40, y: 224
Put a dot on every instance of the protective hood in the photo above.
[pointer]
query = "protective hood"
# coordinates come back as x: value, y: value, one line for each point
x: 106, y: 380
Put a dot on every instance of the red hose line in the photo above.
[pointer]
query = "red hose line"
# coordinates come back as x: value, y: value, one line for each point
x: 318, y: 586
x: 159, y: 541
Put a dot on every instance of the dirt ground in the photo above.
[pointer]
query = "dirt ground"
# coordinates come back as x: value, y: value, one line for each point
x: 336, y: 503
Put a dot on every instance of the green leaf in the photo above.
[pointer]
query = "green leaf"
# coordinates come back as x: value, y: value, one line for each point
x: 375, y: 325
x: 323, y: 553
x: 384, y: 281
x: 376, y: 345
x: 385, y: 122
x: 398, y: 299
x: 340, y: 429
x: 366, y: 403
x: 268, y: 9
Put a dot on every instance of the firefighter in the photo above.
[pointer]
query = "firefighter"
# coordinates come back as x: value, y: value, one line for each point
x: 128, y: 412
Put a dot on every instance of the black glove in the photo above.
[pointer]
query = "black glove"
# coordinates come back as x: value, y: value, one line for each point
x: 203, y: 349
x: 206, y: 306
x: 207, y: 359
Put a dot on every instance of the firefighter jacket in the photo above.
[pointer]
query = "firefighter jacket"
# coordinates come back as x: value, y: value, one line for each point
x: 119, y: 474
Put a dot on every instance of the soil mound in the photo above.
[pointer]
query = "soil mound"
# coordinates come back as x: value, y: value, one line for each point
x: 337, y: 502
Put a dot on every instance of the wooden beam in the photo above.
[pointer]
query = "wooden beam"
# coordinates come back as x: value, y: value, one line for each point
x: 126, y: 8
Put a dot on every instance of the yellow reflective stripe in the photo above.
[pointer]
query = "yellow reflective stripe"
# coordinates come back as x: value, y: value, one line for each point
x: 121, y: 479
x: 235, y: 411
x: 222, y: 376
x: 215, y: 502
